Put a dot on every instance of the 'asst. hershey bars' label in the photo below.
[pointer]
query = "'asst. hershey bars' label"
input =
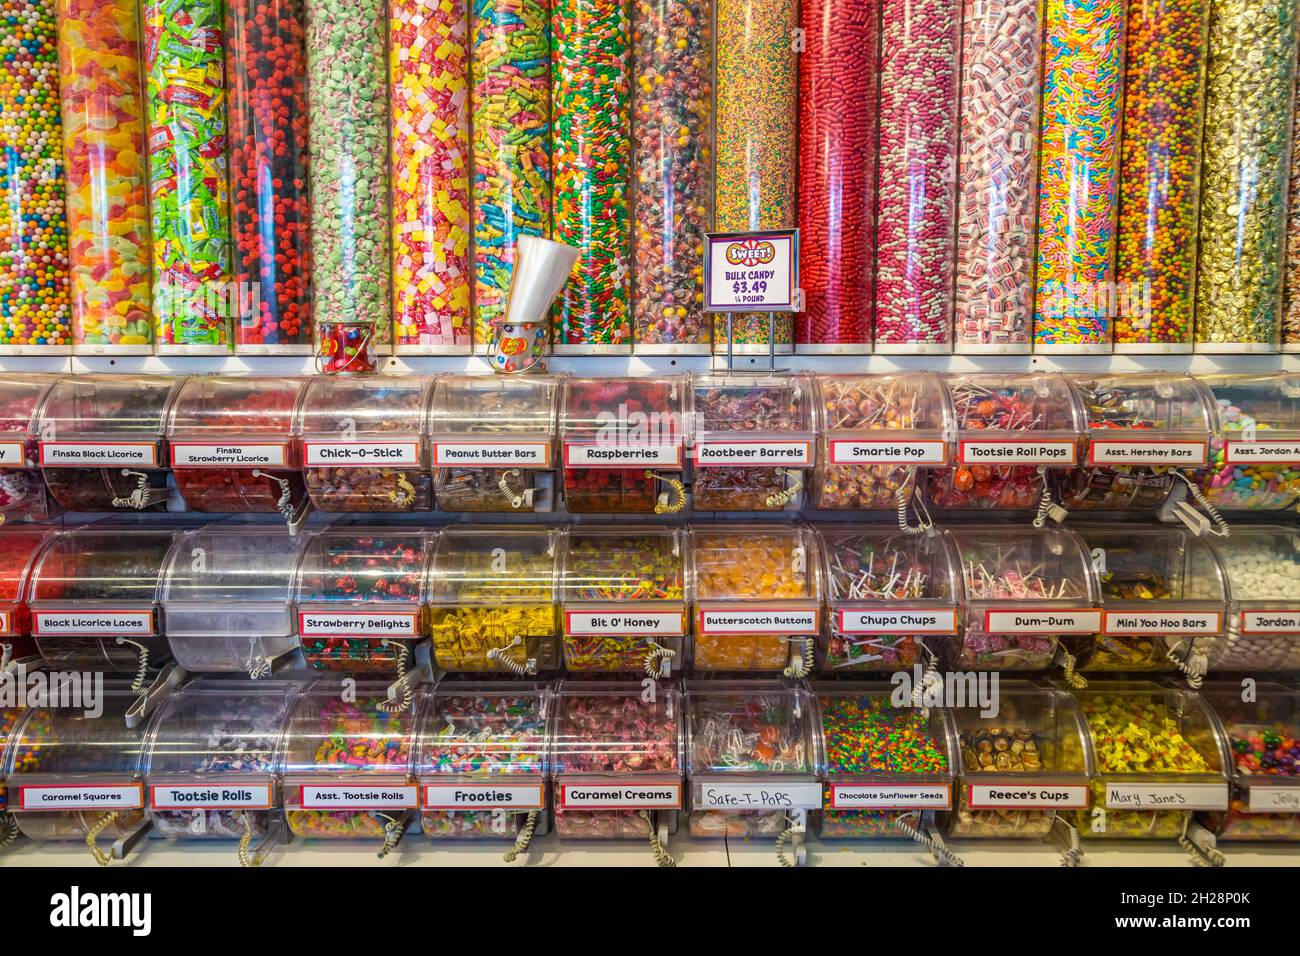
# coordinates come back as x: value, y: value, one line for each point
x: 629, y: 622
x: 206, y: 796
x: 92, y: 623
x: 887, y: 451
x: 389, y: 451
x: 757, y: 452
x: 1133, y: 451
x: 1270, y: 622
x: 495, y: 454
x: 1072, y: 621
x: 759, y: 620
x: 483, y: 796
x: 1251, y: 452
x: 357, y: 623
x: 99, y: 454
x: 213, y: 455
x: 896, y: 620
x: 1162, y: 622
x: 1015, y: 451
x: 996, y: 796
x: 12, y: 454
x: 77, y: 796
x: 622, y: 454
x: 359, y: 796
x: 883, y: 796
x: 619, y: 796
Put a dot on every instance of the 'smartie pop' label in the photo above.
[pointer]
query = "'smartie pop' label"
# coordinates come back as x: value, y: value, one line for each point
x: 887, y: 451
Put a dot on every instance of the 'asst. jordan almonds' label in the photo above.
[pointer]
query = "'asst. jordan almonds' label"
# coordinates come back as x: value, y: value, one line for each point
x: 403, y: 452
x: 1270, y: 622
x: 1252, y: 452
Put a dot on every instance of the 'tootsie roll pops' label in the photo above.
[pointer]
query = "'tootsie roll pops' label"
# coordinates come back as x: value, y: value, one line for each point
x: 241, y: 796
x: 12, y: 454
x: 99, y: 454
x: 897, y: 621
x: 99, y: 796
x: 743, y: 453
x: 1162, y: 622
x: 1252, y: 452
x: 1167, y: 796
x: 917, y: 796
x: 1010, y: 451
x: 92, y: 623
x: 502, y: 454
x: 1081, y: 621
x: 212, y: 455
x: 1123, y: 451
x: 1026, y: 796
x: 1270, y: 622
x: 666, y: 623
x: 397, y: 451
x: 756, y: 796
x: 485, y: 796
x: 622, y: 455
x: 357, y: 624
x: 347, y: 796
x: 883, y: 451
x: 759, y: 620
x: 617, y: 796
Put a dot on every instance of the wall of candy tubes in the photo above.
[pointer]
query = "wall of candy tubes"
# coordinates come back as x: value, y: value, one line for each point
x: 704, y: 590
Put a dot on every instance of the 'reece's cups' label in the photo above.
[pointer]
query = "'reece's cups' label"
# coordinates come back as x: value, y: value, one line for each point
x: 12, y: 454
x: 997, y: 796
x: 92, y: 623
x: 887, y: 451
x: 99, y: 454
x: 1166, y: 796
x: 1251, y: 452
x: 483, y: 796
x: 492, y: 454
x: 360, y: 796
x: 622, y: 455
x: 738, y: 454
x: 759, y: 620
x: 625, y: 622
x: 1156, y: 621
x: 883, y: 796
x: 1270, y: 622
x: 77, y: 796
x: 1080, y: 621
x: 619, y: 796
x: 213, y: 455
x: 1126, y: 451
x: 1015, y: 451
x: 357, y: 624
x: 237, y: 796
x: 860, y: 620
x: 394, y: 452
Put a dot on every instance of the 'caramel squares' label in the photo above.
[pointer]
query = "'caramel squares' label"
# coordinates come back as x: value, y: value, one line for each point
x: 100, y: 796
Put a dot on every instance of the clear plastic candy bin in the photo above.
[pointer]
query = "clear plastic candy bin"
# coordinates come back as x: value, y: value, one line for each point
x: 1255, y: 452
x: 22, y: 490
x: 20, y: 547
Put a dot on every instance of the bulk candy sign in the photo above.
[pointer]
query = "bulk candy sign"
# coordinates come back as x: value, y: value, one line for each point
x: 751, y: 271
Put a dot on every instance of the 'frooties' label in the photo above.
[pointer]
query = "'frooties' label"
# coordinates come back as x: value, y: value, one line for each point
x: 1122, y: 451
x: 92, y: 623
x: 622, y: 455
x: 395, y: 451
x: 501, y: 454
x: 897, y: 621
x: 356, y: 624
x: 1081, y: 621
x: 99, y: 454
x: 347, y: 796
x: 212, y: 455
x: 741, y: 453
x: 883, y: 451
x: 1162, y: 622
x: 1167, y: 796
x: 620, y: 796
x: 981, y: 796
x: 483, y: 796
x: 1270, y: 622
x: 919, y: 796
x: 625, y: 622
x: 100, y: 796
x: 759, y: 620
x: 241, y: 796
x: 1013, y: 451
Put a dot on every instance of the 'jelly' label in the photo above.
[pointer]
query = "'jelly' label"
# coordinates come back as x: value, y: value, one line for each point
x: 993, y: 796
x: 356, y: 624
x: 347, y: 796
x: 622, y: 455
x: 620, y: 796
x: 897, y: 621
x: 760, y: 796
x: 76, y: 796
x: 752, y: 620
x: 501, y: 454
x: 1122, y: 451
x: 211, y: 455
x: 738, y: 454
x: 92, y: 623
x: 1270, y: 622
x: 1162, y: 622
x: 1250, y: 452
x: 484, y: 796
x: 240, y: 796
x: 1011, y: 451
x: 648, y: 623
x: 1274, y: 800
x: 323, y: 454
x: 12, y: 454
x: 1042, y: 622
x: 863, y: 796
x: 1166, y: 796
x: 99, y: 454
x: 887, y: 451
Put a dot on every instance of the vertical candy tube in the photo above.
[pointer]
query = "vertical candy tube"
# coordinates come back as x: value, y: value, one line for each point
x: 1160, y: 158
x: 34, y: 313
x: 837, y: 175
x: 188, y: 178
x: 1078, y: 176
x: 266, y: 79
x: 428, y: 60
x: 1291, y: 300
x: 918, y: 164
x: 1245, y: 169
x: 672, y: 190
x: 593, y: 166
x: 511, y: 101
x: 756, y: 103
x: 994, y: 301
x: 347, y: 110
x: 102, y: 102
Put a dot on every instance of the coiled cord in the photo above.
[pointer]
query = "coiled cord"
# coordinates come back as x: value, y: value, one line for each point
x: 92, y: 835
x: 142, y: 673
x: 1193, y: 670
x: 924, y: 522
x: 523, y: 839
x: 245, y: 841
x: 516, y: 500
x: 655, y: 657
x: 404, y: 494
x: 519, y: 668
x: 408, y: 693
x: 801, y: 663
x: 8, y: 830
x: 1201, y: 856
x: 139, y: 498
x: 1045, y: 503
x: 1073, y: 678
x: 284, y: 504
x: 393, y: 830
x: 662, y: 857
x: 679, y: 490
x: 257, y: 665
x: 1221, y: 528
x: 783, y: 498
x: 944, y: 854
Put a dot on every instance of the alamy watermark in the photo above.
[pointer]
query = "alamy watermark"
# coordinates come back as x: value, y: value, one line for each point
x: 72, y: 690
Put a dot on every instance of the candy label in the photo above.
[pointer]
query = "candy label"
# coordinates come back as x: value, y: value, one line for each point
x: 6, y: 623
x: 1172, y: 796
x: 346, y: 796
x: 1110, y: 451
x: 99, y: 454
x: 243, y: 796
x: 1250, y: 452
x: 751, y: 271
x: 1162, y: 622
x: 856, y: 796
x: 870, y: 451
x: 1009, y: 451
x: 356, y: 624
x: 11, y: 454
x: 615, y: 796
x: 484, y: 796
x: 757, y: 796
x: 1274, y: 800
x: 512, y: 454
x: 206, y: 454
x: 76, y: 796
x: 320, y: 454
x: 996, y: 796
x: 743, y: 453
x: 92, y: 623
x: 622, y: 455
x: 1042, y: 622
x: 667, y: 623
x: 897, y: 621
x: 753, y: 620
x: 1270, y: 622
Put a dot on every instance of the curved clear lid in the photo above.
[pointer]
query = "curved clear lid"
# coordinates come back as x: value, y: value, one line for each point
x: 494, y: 565
x: 1257, y: 415
x: 506, y: 405
x: 484, y: 729
x: 85, y: 736
x: 20, y: 546
x: 1036, y: 734
x: 762, y: 728
x: 624, y: 422
x: 101, y: 566
x: 865, y: 738
x: 224, y: 580
x: 1263, y: 741
x: 1023, y: 580
x: 20, y: 401
x: 1263, y: 569
x: 1148, y: 418
x: 913, y: 409
x: 217, y: 728
x: 363, y: 420
x: 336, y: 733
x: 883, y: 571
x: 1157, y: 581
x: 1016, y: 419
x: 231, y: 411
x: 620, y: 564
x: 611, y: 728
x: 363, y: 565
x: 103, y: 407
x: 731, y: 405
x: 755, y: 562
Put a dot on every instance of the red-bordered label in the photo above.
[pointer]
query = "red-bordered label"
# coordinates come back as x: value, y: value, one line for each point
x: 81, y: 796
x: 1138, y: 451
x: 99, y: 454
x: 887, y: 451
x: 6, y: 623
x: 358, y: 623
x: 483, y: 796
x: 1162, y: 622
x: 1270, y: 622
x: 628, y: 622
x: 619, y: 796
x: 93, y: 623
x: 492, y: 454
x: 1065, y: 621
x: 197, y: 796
x: 13, y: 454
x: 753, y: 453
x: 622, y: 455
x: 208, y: 454
x: 403, y: 452
x: 886, y: 796
x: 1261, y: 452
x: 358, y: 796
x: 759, y: 620
x: 901, y: 620
x: 1016, y: 451
x: 999, y: 796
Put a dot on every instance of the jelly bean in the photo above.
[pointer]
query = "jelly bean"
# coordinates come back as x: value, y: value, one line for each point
x: 1265, y: 751
x: 1241, y: 486
x: 428, y: 88
x: 1078, y: 176
x: 102, y: 104
x: 266, y: 80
